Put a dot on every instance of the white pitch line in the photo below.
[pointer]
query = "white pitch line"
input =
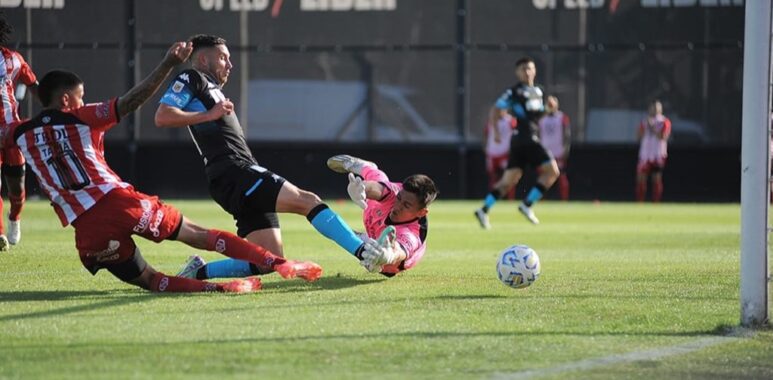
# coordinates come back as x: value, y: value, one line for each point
x: 653, y: 354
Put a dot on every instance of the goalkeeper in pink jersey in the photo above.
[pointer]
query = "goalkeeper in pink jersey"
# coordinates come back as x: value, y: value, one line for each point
x: 392, y: 210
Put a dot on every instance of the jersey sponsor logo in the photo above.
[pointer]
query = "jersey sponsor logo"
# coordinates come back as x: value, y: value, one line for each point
x: 174, y: 98
x: 156, y: 222
x: 184, y: 77
x: 304, y: 6
x: 178, y: 86
x: 147, y: 211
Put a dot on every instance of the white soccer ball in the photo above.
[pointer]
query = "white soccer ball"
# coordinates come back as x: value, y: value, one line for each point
x: 518, y: 266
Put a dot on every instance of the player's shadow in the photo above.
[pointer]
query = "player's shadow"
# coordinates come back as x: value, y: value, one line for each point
x: 104, y: 299
x: 324, y: 283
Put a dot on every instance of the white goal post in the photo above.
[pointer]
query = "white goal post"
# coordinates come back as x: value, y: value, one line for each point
x: 755, y: 163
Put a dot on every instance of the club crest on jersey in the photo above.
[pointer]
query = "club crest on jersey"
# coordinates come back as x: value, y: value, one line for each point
x: 177, y: 86
x: 163, y: 284
x: 220, y: 245
x: 102, y: 110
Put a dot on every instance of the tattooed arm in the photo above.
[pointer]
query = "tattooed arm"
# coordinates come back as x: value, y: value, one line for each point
x: 134, y: 98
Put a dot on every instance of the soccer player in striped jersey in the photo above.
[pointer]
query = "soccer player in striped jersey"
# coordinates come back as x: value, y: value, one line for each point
x: 393, y: 211
x: 555, y: 132
x: 251, y: 193
x: 64, y: 146
x: 16, y: 77
x: 653, y: 133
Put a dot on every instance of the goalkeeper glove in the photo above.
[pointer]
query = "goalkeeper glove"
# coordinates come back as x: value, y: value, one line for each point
x: 376, y: 255
x: 356, y: 190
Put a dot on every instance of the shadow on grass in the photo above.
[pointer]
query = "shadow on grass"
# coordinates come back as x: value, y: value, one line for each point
x: 105, y: 299
x: 324, y: 283
x: 440, y: 335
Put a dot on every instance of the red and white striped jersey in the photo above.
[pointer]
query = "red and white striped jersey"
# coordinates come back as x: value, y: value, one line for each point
x: 552, y: 132
x: 65, y: 149
x: 654, y: 132
x: 13, y: 69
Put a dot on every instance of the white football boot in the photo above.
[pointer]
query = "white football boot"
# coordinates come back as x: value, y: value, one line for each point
x: 344, y: 163
x: 14, y: 231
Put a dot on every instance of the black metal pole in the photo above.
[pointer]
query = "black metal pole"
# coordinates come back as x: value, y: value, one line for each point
x: 461, y: 93
x: 129, y: 52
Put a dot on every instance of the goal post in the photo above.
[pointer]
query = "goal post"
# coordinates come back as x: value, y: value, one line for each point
x: 755, y: 163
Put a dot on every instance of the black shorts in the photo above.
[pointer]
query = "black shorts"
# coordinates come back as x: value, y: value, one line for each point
x: 527, y: 152
x: 249, y: 194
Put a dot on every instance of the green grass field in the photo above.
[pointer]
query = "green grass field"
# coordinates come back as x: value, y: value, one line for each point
x: 626, y: 290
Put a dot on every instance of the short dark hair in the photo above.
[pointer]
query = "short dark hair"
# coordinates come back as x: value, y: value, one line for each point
x: 523, y: 61
x: 423, y: 187
x: 6, y: 30
x: 55, y: 81
x: 201, y: 41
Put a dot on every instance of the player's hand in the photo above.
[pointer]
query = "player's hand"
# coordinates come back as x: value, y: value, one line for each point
x: 179, y: 52
x: 356, y: 190
x: 374, y: 256
x: 221, y: 109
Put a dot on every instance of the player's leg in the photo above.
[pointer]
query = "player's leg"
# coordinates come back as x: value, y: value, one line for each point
x: 547, y: 173
x: 237, y: 248
x: 563, y: 180
x: 327, y: 222
x: 261, y: 229
x: 4, y: 244
x: 642, y: 172
x: 103, y: 240
x: 14, y: 179
x: 137, y: 272
x: 509, y: 180
x: 657, y: 185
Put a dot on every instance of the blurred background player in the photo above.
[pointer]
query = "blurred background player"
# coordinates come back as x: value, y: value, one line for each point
x: 555, y: 133
x: 252, y: 194
x: 16, y: 77
x: 499, y: 129
x: 392, y: 211
x: 524, y: 101
x: 653, y: 136
x: 64, y: 146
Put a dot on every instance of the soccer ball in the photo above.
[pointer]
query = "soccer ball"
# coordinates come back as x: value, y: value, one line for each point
x: 518, y: 266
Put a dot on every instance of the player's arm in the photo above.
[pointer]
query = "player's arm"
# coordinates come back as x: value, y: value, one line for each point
x: 168, y: 116
x: 567, y: 135
x: 139, y: 94
x: 374, y: 190
x: 666, y: 132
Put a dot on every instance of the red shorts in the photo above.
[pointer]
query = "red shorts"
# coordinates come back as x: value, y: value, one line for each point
x: 652, y: 166
x: 103, y: 233
x: 11, y: 156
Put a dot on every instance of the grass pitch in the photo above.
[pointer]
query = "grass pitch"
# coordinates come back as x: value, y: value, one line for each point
x: 624, y: 289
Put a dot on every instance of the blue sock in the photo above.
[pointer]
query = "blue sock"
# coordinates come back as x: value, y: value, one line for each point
x: 330, y: 225
x: 534, y: 195
x: 489, y: 201
x: 228, y: 268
